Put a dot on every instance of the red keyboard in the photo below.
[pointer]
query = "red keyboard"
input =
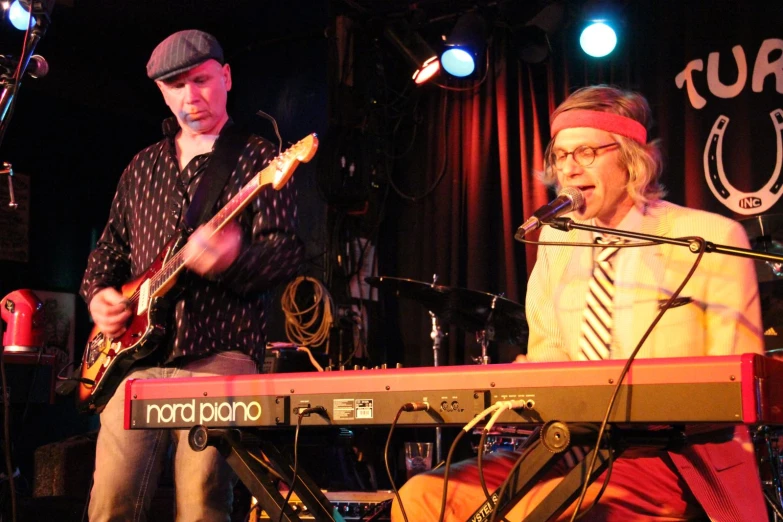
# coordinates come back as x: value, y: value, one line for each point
x: 740, y: 389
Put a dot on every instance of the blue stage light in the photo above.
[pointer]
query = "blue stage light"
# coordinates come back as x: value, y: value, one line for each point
x: 458, y: 62
x: 465, y: 45
x: 20, y: 18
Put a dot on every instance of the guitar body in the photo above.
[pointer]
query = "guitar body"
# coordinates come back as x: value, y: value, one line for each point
x: 106, y: 361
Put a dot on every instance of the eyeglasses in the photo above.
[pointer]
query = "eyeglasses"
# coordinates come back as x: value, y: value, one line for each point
x: 584, y: 155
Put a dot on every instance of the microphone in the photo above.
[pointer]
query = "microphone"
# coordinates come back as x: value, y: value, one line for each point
x: 37, y: 67
x: 568, y: 199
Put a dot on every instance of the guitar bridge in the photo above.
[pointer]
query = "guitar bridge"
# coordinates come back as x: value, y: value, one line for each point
x: 95, y: 348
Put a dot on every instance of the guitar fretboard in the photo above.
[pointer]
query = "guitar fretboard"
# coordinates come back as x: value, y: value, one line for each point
x: 175, y: 263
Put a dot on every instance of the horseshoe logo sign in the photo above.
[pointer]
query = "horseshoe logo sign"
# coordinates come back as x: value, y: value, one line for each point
x: 736, y: 200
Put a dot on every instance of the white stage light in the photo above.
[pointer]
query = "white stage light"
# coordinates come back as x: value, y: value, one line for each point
x: 598, y: 39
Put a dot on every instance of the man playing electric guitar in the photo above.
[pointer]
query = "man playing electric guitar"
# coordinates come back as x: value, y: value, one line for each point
x: 218, y: 319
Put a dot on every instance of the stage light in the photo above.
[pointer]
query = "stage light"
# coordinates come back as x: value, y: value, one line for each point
x: 465, y: 45
x: 598, y: 39
x: 415, y: 49
x: 428, y: 69
x: 531, y: 40
x: 19, y: 16
x: 458, y: 62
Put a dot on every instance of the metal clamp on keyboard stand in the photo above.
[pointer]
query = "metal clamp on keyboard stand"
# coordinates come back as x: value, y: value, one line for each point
x: 555, y: 439
x: 233, y: 446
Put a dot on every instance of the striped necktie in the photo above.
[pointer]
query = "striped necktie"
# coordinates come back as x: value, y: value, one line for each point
x: 596, y: 335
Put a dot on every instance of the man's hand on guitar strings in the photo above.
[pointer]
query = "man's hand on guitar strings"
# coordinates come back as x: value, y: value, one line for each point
x: 111, y: 312
x: 208, y: 253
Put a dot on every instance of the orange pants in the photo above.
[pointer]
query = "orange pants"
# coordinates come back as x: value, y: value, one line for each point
x: 643, y: 488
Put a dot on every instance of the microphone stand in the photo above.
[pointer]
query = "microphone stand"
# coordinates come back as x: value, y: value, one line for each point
x: 7, y: 169
x: 567, y: 224
x: 9, y: 87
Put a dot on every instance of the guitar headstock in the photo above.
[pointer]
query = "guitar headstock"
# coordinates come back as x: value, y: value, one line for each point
x: 283, y: 166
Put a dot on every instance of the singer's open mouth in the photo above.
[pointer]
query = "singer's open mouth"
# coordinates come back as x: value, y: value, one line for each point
x: 587, y: 192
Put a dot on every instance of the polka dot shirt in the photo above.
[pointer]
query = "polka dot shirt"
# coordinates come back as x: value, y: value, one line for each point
x: 226, y: 313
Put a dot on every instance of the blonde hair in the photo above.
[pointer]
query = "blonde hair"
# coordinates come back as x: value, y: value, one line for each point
x: 643, y: 162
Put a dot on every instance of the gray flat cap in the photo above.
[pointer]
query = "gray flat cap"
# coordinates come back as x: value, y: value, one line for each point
x: 182, y: 51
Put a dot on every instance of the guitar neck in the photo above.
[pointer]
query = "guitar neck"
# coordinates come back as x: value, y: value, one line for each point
x: 168, y: 273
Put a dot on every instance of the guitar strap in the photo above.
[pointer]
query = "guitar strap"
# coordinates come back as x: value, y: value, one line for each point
x: 225, y: 155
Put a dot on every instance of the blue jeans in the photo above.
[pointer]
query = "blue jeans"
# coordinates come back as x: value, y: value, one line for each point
x: 128, y: 463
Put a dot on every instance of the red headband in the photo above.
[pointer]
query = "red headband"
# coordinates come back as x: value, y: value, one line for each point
x: 607, y: 121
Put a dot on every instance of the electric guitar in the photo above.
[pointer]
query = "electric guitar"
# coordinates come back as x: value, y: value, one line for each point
x: 106, y: 361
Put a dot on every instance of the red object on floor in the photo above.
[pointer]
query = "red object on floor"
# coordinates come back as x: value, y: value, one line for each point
x: 22, y: 312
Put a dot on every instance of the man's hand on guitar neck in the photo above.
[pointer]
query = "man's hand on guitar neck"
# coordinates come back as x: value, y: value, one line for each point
x: 111, y: 312
x: 208, y: 253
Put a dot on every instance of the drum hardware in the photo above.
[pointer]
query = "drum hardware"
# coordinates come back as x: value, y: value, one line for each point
x: 485, y: 335
x: 437, y: 336
x: 473, y: 311
x: 767, y: 442
x: 492, y: 317
x: 765, y: 233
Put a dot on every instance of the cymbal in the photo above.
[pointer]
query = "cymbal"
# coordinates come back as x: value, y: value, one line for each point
x: 772, y: 316
x: 502, y: 319
x: 765, y: 233
x: 763, y: 225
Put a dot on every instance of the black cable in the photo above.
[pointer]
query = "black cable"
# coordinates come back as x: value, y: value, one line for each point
x: 482, y: 481
x: 270, y: 470
x: 302, y: 413
x: 511, y: 473
x: 31, y: 388
x: 7, y: 435
x: 274, y: 125
x: 702, y: 243
x: 371, y: 239
x: 449, y: 458
x: 255, y: 507
x: 379, y: 511
x: 602, y: 490
x: 386, y: 462
x: 527, y: 448
x: 443, y: 170
x: 268, y: 467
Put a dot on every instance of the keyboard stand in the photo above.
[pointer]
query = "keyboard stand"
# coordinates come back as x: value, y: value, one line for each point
x: 544, y: 453
x: 236, y: 447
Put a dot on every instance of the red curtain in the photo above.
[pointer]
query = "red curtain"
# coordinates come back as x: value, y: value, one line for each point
x: 490, y: 141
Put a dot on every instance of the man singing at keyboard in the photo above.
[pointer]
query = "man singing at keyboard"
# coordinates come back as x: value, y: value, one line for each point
x: 596, y: 303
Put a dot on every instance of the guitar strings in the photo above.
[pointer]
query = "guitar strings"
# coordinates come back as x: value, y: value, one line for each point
x: 176, y: 259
